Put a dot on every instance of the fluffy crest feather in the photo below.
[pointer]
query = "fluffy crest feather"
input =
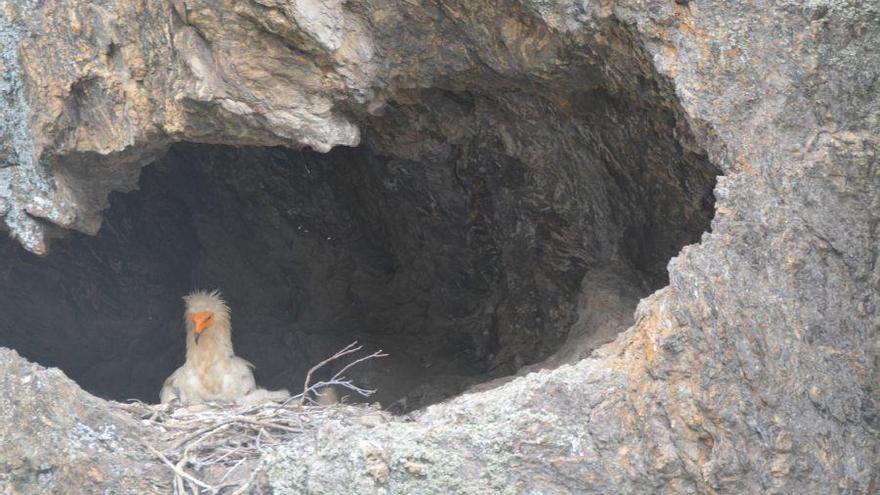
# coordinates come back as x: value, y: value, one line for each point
x: 202, y: 300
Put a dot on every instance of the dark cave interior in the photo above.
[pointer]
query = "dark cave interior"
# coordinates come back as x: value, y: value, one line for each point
x: 469, y: 236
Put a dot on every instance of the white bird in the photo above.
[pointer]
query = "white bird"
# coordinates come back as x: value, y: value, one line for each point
x: 212, y: 371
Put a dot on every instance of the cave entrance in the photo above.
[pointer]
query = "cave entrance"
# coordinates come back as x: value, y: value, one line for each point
x: 470, y: 236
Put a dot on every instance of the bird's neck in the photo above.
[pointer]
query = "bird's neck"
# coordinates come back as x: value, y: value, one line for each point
x: 214, y: 344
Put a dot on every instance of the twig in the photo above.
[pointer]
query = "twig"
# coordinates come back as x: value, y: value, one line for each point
x: 364, y: 392
x: 179, y: 471
x: 337, y: 379
x: 377, y: 354
x: 349, y: 349
x: 179, y: 487
x: 239, y: 463
x: 247, y: 484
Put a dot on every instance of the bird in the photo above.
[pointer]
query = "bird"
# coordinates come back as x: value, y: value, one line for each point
x: 212, y: 372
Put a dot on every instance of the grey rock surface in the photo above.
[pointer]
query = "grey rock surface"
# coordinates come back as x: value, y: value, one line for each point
x: 59, y: 439
x: 755, y: 370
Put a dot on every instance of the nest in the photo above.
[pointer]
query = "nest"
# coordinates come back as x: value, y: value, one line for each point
x: 216, y: 448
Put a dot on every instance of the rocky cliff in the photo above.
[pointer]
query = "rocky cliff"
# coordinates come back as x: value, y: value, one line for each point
x: 520, y: 173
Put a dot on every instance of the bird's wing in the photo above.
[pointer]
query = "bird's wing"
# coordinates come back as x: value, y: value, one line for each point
x: 245, y: 362
x: 261, y: 395
x: 169, y: 390
x: 238, y: 379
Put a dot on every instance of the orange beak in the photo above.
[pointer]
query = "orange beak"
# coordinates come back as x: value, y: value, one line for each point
x: 202, y: 320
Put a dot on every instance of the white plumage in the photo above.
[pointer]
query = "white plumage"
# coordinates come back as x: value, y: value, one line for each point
x: 212, y: 371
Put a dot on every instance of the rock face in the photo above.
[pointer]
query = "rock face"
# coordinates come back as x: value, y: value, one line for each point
x: 59, y: 439
x: 541, y: 161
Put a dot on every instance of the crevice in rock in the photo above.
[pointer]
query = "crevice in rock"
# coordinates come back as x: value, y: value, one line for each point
x: 473, y: 235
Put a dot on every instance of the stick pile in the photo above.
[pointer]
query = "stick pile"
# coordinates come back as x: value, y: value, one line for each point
x: 216, y: 448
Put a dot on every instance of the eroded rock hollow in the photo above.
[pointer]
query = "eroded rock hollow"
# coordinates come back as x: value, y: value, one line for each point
x: 484, y: 189
x: 506, y: 230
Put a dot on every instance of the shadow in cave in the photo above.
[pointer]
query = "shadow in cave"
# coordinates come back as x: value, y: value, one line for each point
x: 526, y: 234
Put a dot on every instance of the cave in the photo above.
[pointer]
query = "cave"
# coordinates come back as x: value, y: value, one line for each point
x: 609, y: 247
x: 471, y: 236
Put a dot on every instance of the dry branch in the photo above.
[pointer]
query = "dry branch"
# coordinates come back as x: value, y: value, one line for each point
x: 178, y: 470
x: 338, y: 379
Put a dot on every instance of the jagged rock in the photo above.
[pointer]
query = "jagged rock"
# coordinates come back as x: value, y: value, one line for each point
x: 755, y: 370
x: 59, y: 439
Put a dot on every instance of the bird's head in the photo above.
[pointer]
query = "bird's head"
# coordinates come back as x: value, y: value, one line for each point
x: 205, y: 310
